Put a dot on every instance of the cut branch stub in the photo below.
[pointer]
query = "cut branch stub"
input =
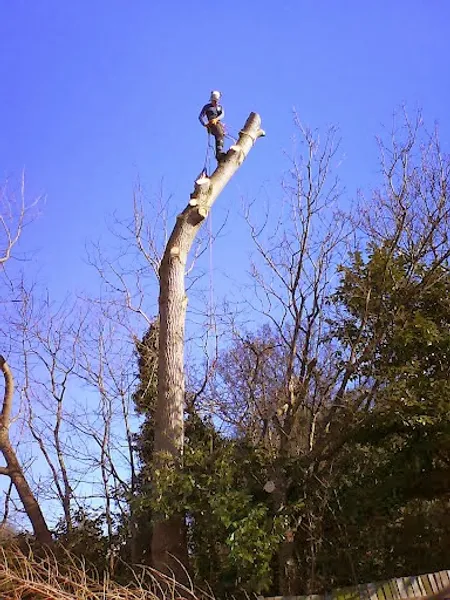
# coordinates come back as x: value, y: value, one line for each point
x: 207, y: 189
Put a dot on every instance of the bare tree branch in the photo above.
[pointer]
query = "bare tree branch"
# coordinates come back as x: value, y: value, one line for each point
x: 14, y: 468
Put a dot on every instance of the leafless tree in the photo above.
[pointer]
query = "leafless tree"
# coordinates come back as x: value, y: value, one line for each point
x: 15, y: 212
x: 288, y: 371
x: 410, y: 209
x: 105, y: 368
x: 50, y: 338
x: 66, y: 411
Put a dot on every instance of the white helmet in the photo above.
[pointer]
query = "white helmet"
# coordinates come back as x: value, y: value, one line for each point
x: 215, y: 95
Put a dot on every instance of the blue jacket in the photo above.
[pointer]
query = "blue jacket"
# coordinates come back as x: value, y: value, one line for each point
x: 211, y: 111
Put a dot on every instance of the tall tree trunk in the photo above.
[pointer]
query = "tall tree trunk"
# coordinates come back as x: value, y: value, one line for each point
x: 287, y: 570
x: 13, y: 468
x: 169, y: 549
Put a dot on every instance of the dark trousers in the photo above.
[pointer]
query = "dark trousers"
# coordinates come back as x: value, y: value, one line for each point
x: 218, y: 132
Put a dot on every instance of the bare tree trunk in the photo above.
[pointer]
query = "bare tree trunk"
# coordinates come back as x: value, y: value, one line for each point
x: 168, y: 541
x: 13, y: 468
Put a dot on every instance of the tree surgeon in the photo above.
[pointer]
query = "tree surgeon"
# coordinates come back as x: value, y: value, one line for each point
x: 210, y: 117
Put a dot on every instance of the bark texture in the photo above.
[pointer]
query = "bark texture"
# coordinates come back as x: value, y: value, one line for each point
x: 13, y: 468
x: 169, y: 549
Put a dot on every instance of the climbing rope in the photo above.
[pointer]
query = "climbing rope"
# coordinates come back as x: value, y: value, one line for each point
x: 229, y: 134
x: 231, y: 137
x: 212, y: 327
x: 209, y: 148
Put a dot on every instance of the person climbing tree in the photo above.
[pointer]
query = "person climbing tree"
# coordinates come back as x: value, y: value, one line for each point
x: 214, y: 113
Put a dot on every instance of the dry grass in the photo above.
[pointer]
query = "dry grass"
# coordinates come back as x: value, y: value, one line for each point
x: 24, y: 576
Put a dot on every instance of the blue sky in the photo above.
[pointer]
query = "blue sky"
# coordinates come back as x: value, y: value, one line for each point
x: 96, y: 93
